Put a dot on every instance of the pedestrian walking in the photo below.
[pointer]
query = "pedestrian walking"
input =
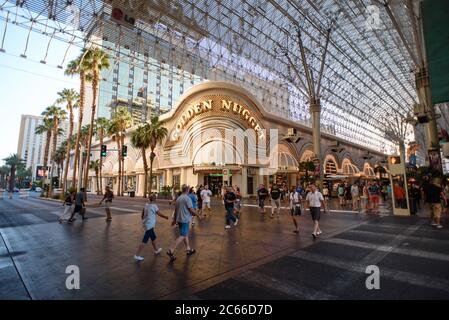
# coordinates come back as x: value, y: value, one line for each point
x: 200, y: 200
x: 315, y: 201
x: 183, y: 215
x: 355, y: 197
x: 238, y: 201
x: 341, y: 194
x: 434, y: 195
x: 373, y: 191
x: 192, y: 196
x: 205, y: 196
x: 262, y: 194
x: 229, y: 200
x: 80, y: 206
x: 107, y: 198
x: 67, y: 204
x: 149, y: 213
x: 275, y: 194
x: 295, y: 207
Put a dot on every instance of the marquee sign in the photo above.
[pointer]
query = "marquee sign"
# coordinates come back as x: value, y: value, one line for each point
x: 219, y: 104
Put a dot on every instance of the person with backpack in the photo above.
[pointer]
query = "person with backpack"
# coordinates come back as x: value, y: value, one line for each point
x: 275, y: 194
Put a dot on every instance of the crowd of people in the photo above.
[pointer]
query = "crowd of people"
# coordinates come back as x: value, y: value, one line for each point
x: 191, y: 204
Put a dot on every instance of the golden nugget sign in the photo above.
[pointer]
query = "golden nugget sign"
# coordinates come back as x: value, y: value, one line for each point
x: 208, y: 105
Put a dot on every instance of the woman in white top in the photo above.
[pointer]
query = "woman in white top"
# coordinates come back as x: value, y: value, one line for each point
x: 295, y: 207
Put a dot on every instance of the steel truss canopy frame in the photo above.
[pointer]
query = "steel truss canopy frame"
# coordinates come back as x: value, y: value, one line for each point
x: 368, y: 73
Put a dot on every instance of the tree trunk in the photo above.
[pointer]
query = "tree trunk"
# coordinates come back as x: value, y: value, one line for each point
x: 119, y: 167
x: 46, y: 151
x: 80, y: 121
x: 145, y: 168
x: 55, y: 141
x: 67, y: 154
x: 12, y: 179
x: 123, y: 164
x: 92, y: 119
x: 101, y: 163
x: 151, y: 171
x: 96, y: 176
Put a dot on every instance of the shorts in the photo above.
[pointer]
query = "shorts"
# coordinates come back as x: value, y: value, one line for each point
x: 315, y: 213
x: 206, y: 204
x: 200, y: 205
x: 436, y: 209
x: 149, y: 234
x: 276, y: 202
x: 183, y: 229
x: 296, y: 211
x: 374, y: 198
x: 261, y: 203
x: 107, y: 204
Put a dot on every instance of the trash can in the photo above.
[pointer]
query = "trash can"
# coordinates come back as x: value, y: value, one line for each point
x: 132, y: 194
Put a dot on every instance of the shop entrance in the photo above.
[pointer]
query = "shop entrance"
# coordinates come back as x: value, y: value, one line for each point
x: 215, y: 182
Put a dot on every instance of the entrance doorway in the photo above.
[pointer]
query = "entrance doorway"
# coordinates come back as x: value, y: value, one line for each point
x: 215, y: 182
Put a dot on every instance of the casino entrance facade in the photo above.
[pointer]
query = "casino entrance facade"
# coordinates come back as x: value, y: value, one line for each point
x: 219, y: 134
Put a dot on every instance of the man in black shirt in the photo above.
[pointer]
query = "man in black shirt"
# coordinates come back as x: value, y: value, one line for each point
x: 434, y: 194
x: 275, y: 194
x: 262, y: 193
x: 229, y: 199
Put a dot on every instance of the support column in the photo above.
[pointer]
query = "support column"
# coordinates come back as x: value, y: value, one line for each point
x: 169, y: 177
x: 183, y: 178
x: 315, y: 112
x: 423, y: 89
x: 244, y: 185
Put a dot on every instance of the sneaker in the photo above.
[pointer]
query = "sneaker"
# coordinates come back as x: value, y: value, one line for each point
x: 439, y: 226
x: 236, y: 221
x: 228, y: 227
x: 318, y: 233
x: 433, y: 224
x: 296, y: 231
x: 85, y: 219
x: 138, y: 258
x: 314, y: 235
x: 157, y: 251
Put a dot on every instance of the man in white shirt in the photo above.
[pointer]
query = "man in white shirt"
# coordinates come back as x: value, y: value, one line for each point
x: 314, y: 202
x: 205, y: 195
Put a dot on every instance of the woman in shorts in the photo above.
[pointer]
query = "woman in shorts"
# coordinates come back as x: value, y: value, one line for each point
x: 295, y: 207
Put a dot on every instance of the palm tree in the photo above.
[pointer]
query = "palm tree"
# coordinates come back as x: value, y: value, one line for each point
x: 121, y: 120
x: 307, y: 166
x: 46, y: 127
x: 59, y: 158
x: 96, y: 60
x: 71, y: 98
x: 141, y: 139
x: 4, y: 170
x: 95, y: 165
x: 13, y: 161
x: 157, y: 133
x: 84, y: 136
x: 81, y: 68
x: 57, y: 115
x: 102, y: 131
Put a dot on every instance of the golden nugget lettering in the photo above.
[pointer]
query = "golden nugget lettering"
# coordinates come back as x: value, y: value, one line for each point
x: 203, y: 106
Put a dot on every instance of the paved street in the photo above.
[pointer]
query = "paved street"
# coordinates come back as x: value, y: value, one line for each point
x: 259, y: 259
